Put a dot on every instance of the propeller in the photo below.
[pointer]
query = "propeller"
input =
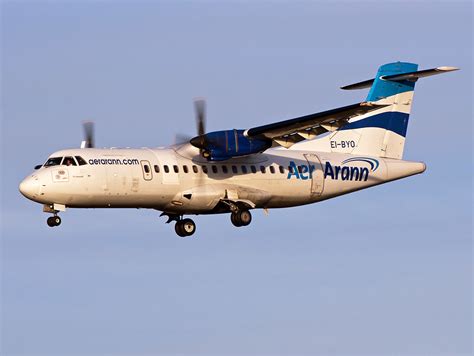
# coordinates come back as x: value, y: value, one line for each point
x: 88, y: 134
x: 200, y: 141
x: 200, y: 109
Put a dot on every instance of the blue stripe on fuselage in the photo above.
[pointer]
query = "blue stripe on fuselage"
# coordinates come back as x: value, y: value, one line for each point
x: 393, y: 121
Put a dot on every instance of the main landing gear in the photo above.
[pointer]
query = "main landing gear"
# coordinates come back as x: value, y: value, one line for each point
x: 53, y: 221
x: 241, y: 218
x: 185, y: 227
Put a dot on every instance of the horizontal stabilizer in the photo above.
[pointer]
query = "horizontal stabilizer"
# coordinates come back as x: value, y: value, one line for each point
x: 410, y: 76
x: 360, y: 85
x: 413, y: 76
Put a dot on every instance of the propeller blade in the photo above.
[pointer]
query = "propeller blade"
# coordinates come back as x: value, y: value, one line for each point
x: 88, y: 134
x: 200, y: 109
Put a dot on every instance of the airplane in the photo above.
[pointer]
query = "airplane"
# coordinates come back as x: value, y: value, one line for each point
x: 284, y: 164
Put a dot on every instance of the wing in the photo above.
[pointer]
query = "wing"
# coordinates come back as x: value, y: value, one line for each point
x: 289, y: 132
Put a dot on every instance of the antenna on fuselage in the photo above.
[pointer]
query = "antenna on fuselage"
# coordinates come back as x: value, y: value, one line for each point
x: 88, y: 134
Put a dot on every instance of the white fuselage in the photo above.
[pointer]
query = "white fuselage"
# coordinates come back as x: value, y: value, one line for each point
x: 178, y: 180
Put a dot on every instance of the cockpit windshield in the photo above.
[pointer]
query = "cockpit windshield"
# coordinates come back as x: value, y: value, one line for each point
x: 65, y: 161
x: 69, y: 161
x: 53, y: 161
x: 81, y: 161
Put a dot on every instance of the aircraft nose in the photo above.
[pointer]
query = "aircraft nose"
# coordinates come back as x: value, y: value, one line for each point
x: 29, y: 187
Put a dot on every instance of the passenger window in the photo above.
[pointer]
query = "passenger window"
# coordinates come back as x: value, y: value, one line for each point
x: 262, y: 169
x: 244, y: 169
x: 272, y: 170
x: 185, y: 169
x: 176, y: 169
x: 253, y: 169
x: 146, y: 168
x: 282, y: 170
x: 53, y: 161
x: 234, y: 169
x: 81, y: 161
x: 157, y: 168
x: 214, y: 169
x: 290, y: 169
x: 166, y: 168
x: 300, y: 169
x: 225, y: 170
x: 69, y: 161
x: 195, y: 169
x: 204, y: 169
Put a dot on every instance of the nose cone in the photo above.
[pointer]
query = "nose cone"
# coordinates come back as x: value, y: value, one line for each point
x: 29, y: 187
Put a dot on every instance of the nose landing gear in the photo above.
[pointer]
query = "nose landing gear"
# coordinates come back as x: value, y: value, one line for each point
x: 53, y: 221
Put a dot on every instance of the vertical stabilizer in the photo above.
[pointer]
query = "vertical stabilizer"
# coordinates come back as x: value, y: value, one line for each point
x: 382, y: 133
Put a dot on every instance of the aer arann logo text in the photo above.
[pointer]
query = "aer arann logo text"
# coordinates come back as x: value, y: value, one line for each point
x: 351, y: 173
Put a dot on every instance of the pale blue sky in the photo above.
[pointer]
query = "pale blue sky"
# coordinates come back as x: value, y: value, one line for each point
x: 383, y: 271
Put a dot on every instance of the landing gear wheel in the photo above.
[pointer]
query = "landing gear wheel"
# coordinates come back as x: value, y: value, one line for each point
x: 50, y: 221
x: 235, y: 220
x: 185, y: 227
x: 53, y: 221
x: 241, y: 218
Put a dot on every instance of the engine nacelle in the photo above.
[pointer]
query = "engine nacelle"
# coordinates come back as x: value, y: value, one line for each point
x: 223, y: 145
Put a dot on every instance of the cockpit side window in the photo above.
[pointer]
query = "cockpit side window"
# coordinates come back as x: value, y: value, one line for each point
x: 53, y: 161
x: 81, y: 161
x: 69, y: 161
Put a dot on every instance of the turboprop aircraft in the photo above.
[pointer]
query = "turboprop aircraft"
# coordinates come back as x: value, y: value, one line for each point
x: 284, y: 164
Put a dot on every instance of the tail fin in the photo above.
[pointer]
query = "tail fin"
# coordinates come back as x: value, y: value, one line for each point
x: 382, y: 132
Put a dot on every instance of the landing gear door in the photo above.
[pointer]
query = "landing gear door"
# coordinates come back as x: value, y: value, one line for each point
x: 317, y: 174
x: 146, y: 169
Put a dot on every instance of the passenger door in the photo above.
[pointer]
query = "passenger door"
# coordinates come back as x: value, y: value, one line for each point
x: 317, y: 181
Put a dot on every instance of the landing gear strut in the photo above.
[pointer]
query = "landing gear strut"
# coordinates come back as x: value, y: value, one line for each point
x: 185, y: 227
x: 53, y: 221
x: 241, y: 218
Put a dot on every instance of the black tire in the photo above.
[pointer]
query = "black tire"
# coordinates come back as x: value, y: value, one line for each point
x: 245, y: 218
x: 178, y: 227
x: 50, y: 221
x: 234, y: 218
